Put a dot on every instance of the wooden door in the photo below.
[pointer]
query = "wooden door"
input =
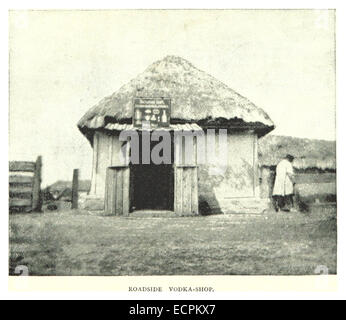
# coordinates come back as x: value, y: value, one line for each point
x: 117, y: 200
x: 186, y: 177
x: 186, y: 190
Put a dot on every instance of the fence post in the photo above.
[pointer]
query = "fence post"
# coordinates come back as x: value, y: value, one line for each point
x: 36, y: 203
x: 75, y: 189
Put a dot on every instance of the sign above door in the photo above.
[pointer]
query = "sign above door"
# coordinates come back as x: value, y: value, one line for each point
x: 155, y: 112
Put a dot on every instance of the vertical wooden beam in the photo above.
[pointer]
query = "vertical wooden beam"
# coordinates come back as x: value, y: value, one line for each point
x: 175, y: 189
x: 178, y: 148
x: 195, y: 157
x: 186, y: 181
x: 97, y: 149
x: 95, y: 163
x: 189, y: 149
x: 128, y: 151
x: 126, y: 191
x: 118, y: 191
x: 110, y: 192
x: 194, y: 191
x: 75, y: 189
x: 36, y: 201
x: 178, y: 176
x: 110, y: 150
x: 107, y: 192
x: 183, y: 149
x: 194, y: 177
x: 178, y: 190
x: 113, y: 190
x: 183, y: 191
x: 188, y: 190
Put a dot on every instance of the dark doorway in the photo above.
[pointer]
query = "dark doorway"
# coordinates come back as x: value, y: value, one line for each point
x: 152, y: 185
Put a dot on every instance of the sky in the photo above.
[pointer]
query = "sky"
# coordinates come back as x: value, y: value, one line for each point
x: 64, y: 62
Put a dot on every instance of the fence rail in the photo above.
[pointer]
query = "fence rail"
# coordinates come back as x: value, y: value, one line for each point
x: 24, y: 166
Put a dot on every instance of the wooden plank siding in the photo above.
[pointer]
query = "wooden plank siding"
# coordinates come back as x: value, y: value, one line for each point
x: 17, y: 179
x: 178, y: 204
x: 24, y: 189
x: 20, y: 202
x: 18, y: 188
x: 111, y: 175
x: 21, y: 194
x: 110, y: 206
x: 194, y: 191
x: 186, y: 176
x: 23, y: 166
x: 186, y: 190
x: 106, y: 153
x: 109, y: 198
x: 117, y: 190
x: 187, y: 200
x: 126, y: 191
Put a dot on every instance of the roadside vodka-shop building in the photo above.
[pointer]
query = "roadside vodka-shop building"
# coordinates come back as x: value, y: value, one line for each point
x: 173, y: 99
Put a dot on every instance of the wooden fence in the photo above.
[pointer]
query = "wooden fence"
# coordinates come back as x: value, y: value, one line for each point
x: 25, y: 185
x: 311, y: 186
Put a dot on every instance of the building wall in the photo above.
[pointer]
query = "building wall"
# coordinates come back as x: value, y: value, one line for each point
x: 224, y: 176
x: 220, y: 185
x: 106, y: 152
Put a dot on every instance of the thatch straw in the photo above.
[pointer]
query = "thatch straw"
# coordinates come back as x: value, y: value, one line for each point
x: 195, y: 96
x: 308, y: 153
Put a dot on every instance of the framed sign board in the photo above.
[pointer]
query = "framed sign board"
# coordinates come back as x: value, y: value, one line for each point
x: 153, y: 111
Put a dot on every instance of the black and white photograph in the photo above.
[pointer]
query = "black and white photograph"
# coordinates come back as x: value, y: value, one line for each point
x: 172, y: 143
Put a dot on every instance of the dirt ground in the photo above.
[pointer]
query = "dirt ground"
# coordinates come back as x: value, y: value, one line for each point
x: 82, y: 243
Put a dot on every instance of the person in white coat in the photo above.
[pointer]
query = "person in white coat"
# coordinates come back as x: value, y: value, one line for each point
x: 283, y: 190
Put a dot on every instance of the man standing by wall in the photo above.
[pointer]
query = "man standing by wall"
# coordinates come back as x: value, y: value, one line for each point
x: 283, y: 187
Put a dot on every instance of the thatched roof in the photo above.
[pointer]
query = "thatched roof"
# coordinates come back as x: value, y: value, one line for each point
x: 308, y: 153
x: 195, y: 96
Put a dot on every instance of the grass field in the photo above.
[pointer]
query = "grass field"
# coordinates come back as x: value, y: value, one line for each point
x: 78, y: 243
